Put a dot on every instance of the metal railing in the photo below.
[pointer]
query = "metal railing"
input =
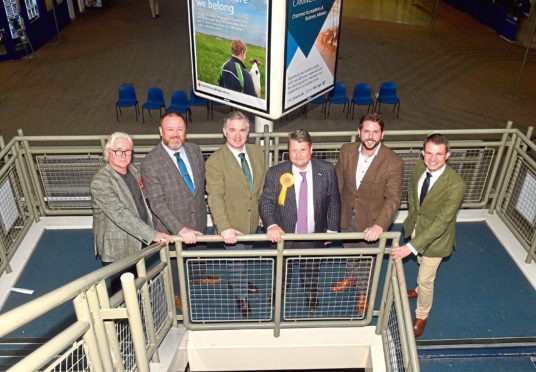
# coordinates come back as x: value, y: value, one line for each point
x: 123, y: 331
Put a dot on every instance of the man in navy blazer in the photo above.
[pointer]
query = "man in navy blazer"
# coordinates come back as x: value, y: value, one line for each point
x: 321, y: 213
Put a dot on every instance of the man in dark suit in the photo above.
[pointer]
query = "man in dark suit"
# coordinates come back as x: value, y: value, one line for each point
x: 370, y: 183
x: 122, y: 222
x: 311, y: 205
x: 235, y: 174
x: 173, y: 174
x: 435, y: 193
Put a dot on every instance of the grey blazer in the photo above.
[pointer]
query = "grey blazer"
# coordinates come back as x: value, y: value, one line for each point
x: 172, y: 204
x: 117, y: 228
x: 326, y: 200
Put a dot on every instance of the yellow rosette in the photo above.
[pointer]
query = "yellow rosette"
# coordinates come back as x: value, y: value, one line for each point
x: 287, y: 180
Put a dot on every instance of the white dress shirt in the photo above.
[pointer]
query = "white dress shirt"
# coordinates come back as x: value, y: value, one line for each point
x: 363, y: 164
x: 184, y: 158
x: 310, y: 204
x: 244, y: 151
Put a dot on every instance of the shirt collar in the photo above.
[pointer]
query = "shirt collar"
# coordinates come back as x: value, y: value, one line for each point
x: 373, y: 154
x: 296, y: 170
x: 236, y: 152
x: 437, y: 173
x: 171, y: 152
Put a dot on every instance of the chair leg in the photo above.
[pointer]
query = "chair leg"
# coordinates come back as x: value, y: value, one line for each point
x: 143, y: 116
x: 116, y: 113
x: 398, y: 112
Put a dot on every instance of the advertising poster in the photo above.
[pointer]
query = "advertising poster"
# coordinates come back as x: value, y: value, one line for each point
x: 311, y: 48
x: 230, y: 39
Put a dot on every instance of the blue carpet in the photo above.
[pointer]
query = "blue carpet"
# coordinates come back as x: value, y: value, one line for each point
x: 60, y: 257
x: 479, y: 290
x: 507, y: 364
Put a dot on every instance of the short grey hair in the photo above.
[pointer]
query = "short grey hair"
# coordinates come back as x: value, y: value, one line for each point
x: 110, y: 141
x: 235, y: 115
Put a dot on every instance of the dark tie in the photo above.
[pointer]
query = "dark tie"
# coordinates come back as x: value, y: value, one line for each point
x: 425, y: 187
x: 302, y: 206
x: 184, y: 172
x: 246, y: 170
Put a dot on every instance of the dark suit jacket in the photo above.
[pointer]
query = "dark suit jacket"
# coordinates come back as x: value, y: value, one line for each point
x: 117, y: 228
x: 173, y: 205
x: 231, y: 203
x: 326, y: 200
x: 378, y: 197
x: 435, y: 220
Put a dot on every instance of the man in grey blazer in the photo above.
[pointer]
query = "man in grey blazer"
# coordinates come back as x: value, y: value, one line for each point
x: 311, y: 205
x: 122, y: 222
x: 173, y: 174
x: 235, y: 175
x: 435, y: 193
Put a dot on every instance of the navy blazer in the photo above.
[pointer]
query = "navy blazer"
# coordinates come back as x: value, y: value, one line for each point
x: 326, y: 200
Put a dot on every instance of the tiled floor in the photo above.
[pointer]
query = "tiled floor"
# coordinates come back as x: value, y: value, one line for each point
x: 459, y: 76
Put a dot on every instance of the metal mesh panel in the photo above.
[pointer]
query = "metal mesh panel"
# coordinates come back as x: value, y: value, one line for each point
x: 66, y: 179
x: 305, y: 277
x: 126, y: 346
x: 519, y: 203
x: 73, y: 360
x: 217, y: 303
x: 473, y: 165
x: 14, y: 210
x: 157, y: 293
x: 394, y: 346
x: 327, y: 155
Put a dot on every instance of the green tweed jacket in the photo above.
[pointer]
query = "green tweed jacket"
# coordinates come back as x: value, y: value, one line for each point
x: 231, y: 203
x: 435, y: 220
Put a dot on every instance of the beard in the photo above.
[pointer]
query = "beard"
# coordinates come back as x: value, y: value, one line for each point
x: 374, y: 145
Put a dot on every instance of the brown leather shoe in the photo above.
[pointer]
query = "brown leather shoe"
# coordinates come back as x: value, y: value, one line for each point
x: 244, y: 307
x: 178, y: 303
x: 342, y: 285
x: 252, y: 288
x: 418, y: 326
x: 362, y: 304
x: 412, y: 293
x: 208, y: 280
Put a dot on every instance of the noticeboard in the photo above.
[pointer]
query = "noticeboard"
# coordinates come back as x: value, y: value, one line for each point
x: 312, y: 37
x: 230, y: 44
x: 263, y: 56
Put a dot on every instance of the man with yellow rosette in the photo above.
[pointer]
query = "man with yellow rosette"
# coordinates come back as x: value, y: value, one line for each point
x: 301, y: 196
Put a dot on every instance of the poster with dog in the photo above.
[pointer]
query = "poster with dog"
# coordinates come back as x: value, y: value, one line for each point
x: 230, y: 41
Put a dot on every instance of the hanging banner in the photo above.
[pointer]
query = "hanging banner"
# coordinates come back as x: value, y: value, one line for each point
x: 229, y: 40
x: 312, y: 37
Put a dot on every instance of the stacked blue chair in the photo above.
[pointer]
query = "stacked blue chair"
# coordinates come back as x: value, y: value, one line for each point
x: 179, y: 103
x: 338, y: 96
x: 127, y: 98
x: 387, y: 94
x: 361, y: 96
x: 155, y: 101
x: 195, y: 100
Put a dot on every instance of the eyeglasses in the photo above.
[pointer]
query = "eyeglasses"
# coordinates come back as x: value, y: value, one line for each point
x: 121, y: 152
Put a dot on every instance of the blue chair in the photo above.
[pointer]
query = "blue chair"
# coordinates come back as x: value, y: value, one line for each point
x: 320, y: 100
x: 337, y: 96
x: 127, y: 98
x: 387, y: 94
x: 179, y: 103
x: 361, y: 96
x: 195, y: 100
x: 155, y: 101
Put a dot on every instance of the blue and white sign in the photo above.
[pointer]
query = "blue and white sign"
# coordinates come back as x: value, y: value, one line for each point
x: 311, y: 49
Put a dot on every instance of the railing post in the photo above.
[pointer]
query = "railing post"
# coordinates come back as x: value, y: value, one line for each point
x: 168, y: 285
x: 147, y: 309
x: 278, y: 287
x: 109, y: 326
x: 98, y: 325
x: 135, y: 321
x: 82, y: 313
